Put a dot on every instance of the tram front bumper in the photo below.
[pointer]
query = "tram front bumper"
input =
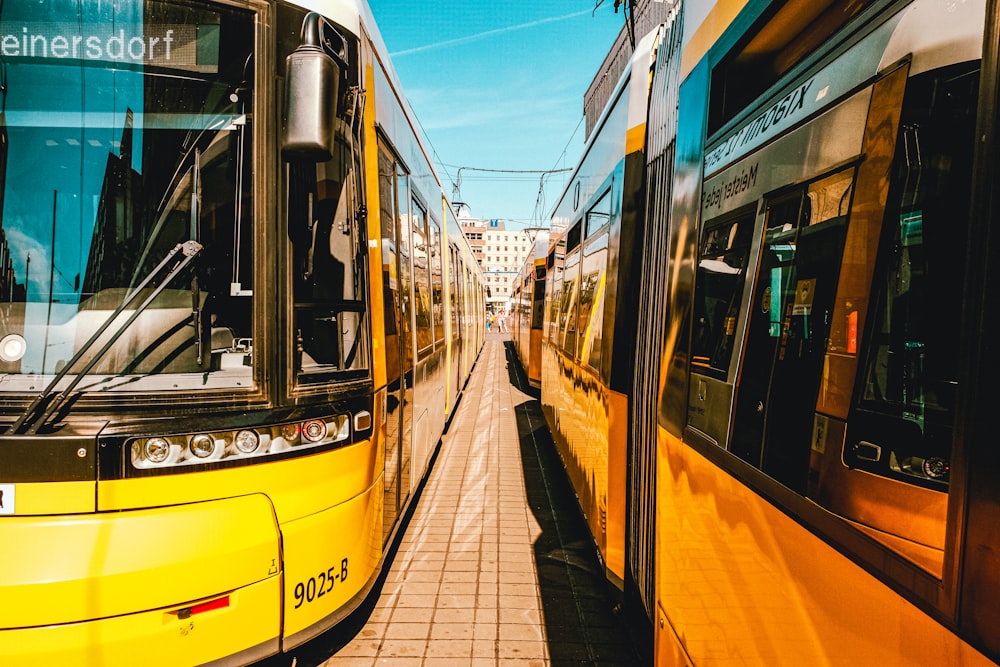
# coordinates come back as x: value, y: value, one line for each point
x: 186, y: 584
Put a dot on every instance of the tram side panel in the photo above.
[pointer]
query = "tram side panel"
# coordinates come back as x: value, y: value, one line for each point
x: 791, y: 434
x: 590, y: 283
x: 514, y: 321
x: 430, y: 369
x: 454, y: 342
x: 532, y: 305
x: 572, y: 394
x: 526, y: 327
x: 425, y: 309
x: 463, y: 316
x: 535, y: 309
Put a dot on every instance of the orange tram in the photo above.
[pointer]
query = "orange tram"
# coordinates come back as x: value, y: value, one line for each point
x: 527, y: 311
x: 236, y: 311
x: 767, y: 333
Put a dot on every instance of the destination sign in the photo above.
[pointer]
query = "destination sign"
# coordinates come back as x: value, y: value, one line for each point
x: 801, y: 99
x: 188, y: 47
x: 780, y: 115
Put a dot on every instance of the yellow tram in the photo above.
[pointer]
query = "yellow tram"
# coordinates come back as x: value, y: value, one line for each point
x: 236, y: 310
x: 767, y: 343
x: 528, y: 298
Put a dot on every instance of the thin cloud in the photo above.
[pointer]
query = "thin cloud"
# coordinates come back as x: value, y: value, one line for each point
x: 473, y: 106
x: 488, y: 33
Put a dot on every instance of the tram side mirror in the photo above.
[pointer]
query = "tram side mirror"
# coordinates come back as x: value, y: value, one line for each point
x: 314, y: 71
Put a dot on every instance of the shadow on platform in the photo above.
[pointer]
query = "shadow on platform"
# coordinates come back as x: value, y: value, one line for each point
x: 580, y: 607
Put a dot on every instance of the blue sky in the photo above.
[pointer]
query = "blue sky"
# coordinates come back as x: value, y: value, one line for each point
x: 499, y: 84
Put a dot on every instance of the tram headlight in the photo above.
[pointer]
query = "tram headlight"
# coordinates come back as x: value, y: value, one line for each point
x: 246, y: 441
x: 284, y: 438
x: 314, y: 430
x: 290, y: 432
x: 202, y: 446
x: 156, y: 450
x: 12, y: 347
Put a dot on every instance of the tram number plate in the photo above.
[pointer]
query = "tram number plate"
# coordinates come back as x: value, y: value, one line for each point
x: 7, y: 498
x: 318, y: 586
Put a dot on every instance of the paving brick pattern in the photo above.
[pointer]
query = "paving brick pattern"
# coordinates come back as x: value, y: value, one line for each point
x: 496, y: 566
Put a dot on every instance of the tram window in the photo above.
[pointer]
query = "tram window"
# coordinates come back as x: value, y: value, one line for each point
x: 556, y: 298
x: 787, y: 332
x: 568, y: 321
x: 721, y: 274
x: 594, y: 265
x: 437, y: 283
x: 599, y: 215
x: 87, y: 218
x: 591, y: 321
x: 910, y: 368
x: 538, y: 302
x: 387, y: 216
x: 470, y: 298
x: 573, y: 236
x: 329, y: 318
x: 327, y: 248
x: 789, y: 219
x: 554, y: 286
x: 828, y: 200
x: 421, y: 278
x: 454, y: 288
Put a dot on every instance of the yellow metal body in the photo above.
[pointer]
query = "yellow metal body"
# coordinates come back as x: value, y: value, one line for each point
x: 576, y: 406
x: 103, y: 588
x: 155, y: 638
x: 739, y: 578
x: 161, y: 544
x: 329, y: 558
x: 55, y: 498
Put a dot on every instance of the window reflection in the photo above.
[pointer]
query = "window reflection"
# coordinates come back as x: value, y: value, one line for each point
x: 910, y: 371
x: 719, y: 282
x: 421, y: 278
x: 326, y: 238
x: 437, y: 295
x: 126, y: 130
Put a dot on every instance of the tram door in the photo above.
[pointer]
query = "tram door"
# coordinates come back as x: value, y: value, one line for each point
x: 789, y: 326
x: 398, y: 333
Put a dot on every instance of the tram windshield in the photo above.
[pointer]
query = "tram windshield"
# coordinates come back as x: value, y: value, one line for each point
x: 125, y: 130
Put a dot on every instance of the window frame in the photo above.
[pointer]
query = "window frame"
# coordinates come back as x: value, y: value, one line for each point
x: 302, y: 381
x: 422, y: 308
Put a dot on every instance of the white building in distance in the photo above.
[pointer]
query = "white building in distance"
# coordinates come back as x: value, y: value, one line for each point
x: 500, y: 252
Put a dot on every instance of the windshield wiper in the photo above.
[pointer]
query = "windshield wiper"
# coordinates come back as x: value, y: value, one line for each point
x: 41, y: 408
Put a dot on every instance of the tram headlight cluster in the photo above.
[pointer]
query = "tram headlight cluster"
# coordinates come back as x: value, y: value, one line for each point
x: 202, y: 446
x: 12, y: 347
x: 160, y: 450
x: 164, y: 451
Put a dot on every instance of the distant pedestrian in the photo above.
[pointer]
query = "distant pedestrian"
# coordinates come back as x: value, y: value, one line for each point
x: 489, y: 320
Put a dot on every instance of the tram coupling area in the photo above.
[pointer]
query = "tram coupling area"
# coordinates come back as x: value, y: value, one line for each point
x: 496, y: 566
